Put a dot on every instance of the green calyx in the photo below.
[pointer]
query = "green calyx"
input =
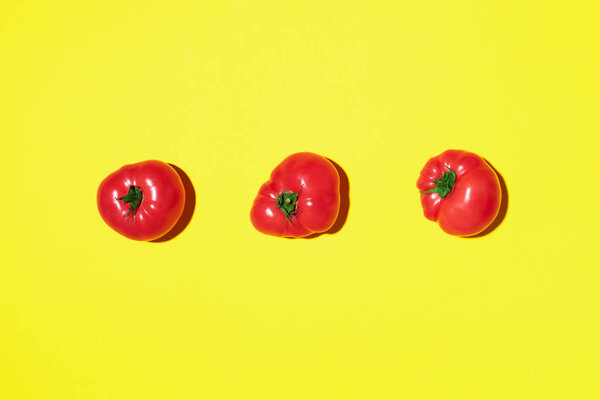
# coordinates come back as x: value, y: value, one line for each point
x: 444, y: 185
x: 134, y: 198
x: 287, y: 202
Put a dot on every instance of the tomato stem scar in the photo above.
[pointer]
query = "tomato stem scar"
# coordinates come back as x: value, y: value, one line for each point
x: 287, y: 202
x: 134, y: 198
x: 444, y: 185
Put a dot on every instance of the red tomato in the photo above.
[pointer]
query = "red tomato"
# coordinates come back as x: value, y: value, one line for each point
x: 301, y: 198
x: 460, y: 191
x: 142, y: 201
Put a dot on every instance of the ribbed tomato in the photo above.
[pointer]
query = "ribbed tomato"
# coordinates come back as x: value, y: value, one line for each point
x: 301, y: 198
x: 460, y: 191
x: 142, y: 201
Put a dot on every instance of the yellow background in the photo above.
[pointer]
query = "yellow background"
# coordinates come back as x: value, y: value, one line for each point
x: 388, y: 308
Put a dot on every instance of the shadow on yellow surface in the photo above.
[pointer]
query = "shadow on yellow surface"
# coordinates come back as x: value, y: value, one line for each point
x: 188, y: 209
x: 503, y: 206
x: 344, y: 203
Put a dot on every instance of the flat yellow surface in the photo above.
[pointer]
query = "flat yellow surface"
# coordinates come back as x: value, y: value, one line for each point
x: 390, y: 307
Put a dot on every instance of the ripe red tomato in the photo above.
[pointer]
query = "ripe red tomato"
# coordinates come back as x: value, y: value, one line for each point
x: 301, y: 198
x: 142, y: 201
x: 460, y: 191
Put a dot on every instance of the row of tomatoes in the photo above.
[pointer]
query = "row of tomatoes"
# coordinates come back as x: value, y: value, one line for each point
x: 144, y: 201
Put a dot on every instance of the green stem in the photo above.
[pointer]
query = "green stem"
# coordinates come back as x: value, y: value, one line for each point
x: 444, y: 185
x: 287, y: 202
x: 134, y: 198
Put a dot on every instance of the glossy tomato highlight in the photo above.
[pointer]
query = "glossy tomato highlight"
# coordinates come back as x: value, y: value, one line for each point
x: 142, y: 201
x: 460, y: 191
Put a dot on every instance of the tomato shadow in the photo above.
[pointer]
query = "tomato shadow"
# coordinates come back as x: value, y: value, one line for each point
x: 188, y: 208
x: 503, y: 207
x: 340, y: 221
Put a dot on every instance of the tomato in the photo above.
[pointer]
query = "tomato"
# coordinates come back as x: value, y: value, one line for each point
x: 460, y: 191
x: 142, y: 201
x: 301, y: 198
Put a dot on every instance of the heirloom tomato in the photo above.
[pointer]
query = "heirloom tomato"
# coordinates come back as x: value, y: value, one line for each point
x: 460, y: 191
x: 142, y: 201
x: 302, y: 197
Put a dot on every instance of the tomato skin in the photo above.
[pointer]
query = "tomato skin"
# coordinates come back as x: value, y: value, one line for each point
x: 160, y: 209
x: 475, y: 199
x: 318, y: 185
